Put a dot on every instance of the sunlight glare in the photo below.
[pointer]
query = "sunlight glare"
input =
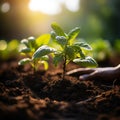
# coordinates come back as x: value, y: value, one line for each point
x: 53, y: 7
x: 46, y: 6
x: 72, y: 5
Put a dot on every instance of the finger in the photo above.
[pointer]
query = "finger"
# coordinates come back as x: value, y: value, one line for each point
x: 80, y: 71
x: 88, y: 76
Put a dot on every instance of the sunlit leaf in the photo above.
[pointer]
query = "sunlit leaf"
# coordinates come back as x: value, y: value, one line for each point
x: 45, y: 58
x: 24, y: 61
x: 42, y: 51
x: 31, y: 39
x: 87, y: 62
x: 31, y: 42
x: 43, y: 40
x: 45, y: 63
x: 78, y: 50
x: 83, y: 45
x: 25, y: 50
x: 61, y: 40
x: 73, y: 34
x: 57, y: 29
x: 25, y: 42
x: 53, y: 35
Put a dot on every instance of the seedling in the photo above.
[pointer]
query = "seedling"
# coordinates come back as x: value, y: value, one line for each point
x: 30, y: 46
x: 70, y: 49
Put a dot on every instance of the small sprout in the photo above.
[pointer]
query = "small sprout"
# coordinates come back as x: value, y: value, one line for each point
x: 65, y: 48
x: 34, y: 49
x: 71, y: 49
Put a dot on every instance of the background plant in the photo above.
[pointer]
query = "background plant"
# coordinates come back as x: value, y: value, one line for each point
x: 102, y: 49
x: 28, y: 48
x: 70, y: 49
x: 8, y: 50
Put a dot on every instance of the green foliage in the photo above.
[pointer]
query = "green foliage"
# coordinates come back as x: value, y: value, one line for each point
x: 117, y: 46
x: 35, y: 52
x: 58, y: 30
x: 8, y: 49
x: 70, y: 49
x: 101, y: 49
x: 88, y: 61
x: 64, y: 48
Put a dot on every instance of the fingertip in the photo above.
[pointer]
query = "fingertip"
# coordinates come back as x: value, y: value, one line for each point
x: 83, y: 77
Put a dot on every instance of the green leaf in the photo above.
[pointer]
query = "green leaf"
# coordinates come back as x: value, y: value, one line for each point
x: 45, y: 58
x: 53, y: 35
x: 45, y: 63
x: 73, y: 34
x: 83, y: 45
x: 57, y: 59
x: 61, y: 40
x: 25, y: 50
x: 42, y: 51
x: 31, y: 42
x: 70, y: 53
x: 87, y: 62
x: 24, y: 61
x: 31, y: 39
x: 57, y: 29
x: 78, y: 50
x: 25, y: 42
x: 43, y: 40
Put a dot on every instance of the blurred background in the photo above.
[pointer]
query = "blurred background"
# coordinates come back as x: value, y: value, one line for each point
x: 98, y: 19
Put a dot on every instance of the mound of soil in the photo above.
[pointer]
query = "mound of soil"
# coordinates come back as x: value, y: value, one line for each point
x: 43, y: 95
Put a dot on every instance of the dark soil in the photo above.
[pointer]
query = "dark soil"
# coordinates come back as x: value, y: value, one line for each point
x: 43, y: 95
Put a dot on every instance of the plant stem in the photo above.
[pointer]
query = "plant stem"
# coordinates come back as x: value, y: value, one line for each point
x: 64, y: 67
x: 34, y: 70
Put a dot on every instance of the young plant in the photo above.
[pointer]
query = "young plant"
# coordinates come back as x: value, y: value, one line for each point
x: 70, y: 49
x: 30, y: 46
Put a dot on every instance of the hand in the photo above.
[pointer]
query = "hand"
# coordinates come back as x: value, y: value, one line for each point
x: 109, y: 73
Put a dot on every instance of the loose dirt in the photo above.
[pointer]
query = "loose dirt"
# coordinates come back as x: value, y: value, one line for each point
x: 43, y: 95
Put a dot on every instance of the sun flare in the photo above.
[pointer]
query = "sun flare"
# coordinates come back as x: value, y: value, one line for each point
x: 45, y: 6
x: 53, y: 7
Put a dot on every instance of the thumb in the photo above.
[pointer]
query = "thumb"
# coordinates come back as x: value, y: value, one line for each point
x: 87, y: 76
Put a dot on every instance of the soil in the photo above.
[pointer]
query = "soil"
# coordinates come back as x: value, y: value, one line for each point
x: 43, y: 95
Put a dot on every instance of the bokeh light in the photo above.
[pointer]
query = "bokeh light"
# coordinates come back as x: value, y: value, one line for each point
x: 5, y: 7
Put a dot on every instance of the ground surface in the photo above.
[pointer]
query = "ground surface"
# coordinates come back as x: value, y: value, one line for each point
x: 45, y: 96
